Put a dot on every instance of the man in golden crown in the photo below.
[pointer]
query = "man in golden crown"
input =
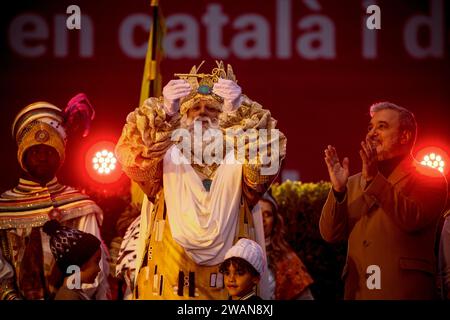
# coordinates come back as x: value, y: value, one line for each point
x: 181, y: 149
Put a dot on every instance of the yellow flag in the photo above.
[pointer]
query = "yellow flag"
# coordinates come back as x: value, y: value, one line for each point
x: 151, y: 77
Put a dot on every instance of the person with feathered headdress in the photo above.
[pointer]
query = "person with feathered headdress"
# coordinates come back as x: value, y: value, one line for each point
x: 27, y: 267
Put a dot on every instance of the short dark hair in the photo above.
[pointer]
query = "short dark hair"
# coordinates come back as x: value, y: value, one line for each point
x: 406, y: 117
x: 239, y: 264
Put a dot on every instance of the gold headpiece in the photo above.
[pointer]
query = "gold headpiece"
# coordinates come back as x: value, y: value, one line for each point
x: 39, y: 123
x: 202, y: 90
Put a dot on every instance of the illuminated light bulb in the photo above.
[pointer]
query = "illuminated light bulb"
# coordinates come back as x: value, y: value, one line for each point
x: 96, y: 166
x: 434, y: 159
x: 95, y: 160
x: 110, y: 155
x: 112, y: 166
x: 107, y: 170
x: 107, y: 160
x: 98, y: 154
x: 113, y: 160
x: 101, y: 170
x: 104, y: 152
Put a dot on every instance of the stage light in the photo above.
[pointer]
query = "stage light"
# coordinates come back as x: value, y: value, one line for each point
x: 104, y: 162
x: 435, y: 158
x: 101, y: 163
x: 437, y: 163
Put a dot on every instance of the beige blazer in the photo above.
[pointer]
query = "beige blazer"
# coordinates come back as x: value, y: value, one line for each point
x: 391, y: 224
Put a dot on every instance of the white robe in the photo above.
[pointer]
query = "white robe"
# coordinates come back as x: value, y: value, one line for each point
x: 203, y: 223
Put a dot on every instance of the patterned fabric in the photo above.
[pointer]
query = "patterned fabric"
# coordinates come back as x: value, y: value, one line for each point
x: 146, y: 137
x: 43, y: 123
x: 167, y: 272
x: 291, y: 277
x: 126, y: 262
x: 23, y: 211
x: 144, y: 141
x: 39, y: 123
x: 125, y: 265
x: 39, y: 133
x: 31, y: 275
x: 203, y: 89
x: 70, y: 246
x: 29, y: 204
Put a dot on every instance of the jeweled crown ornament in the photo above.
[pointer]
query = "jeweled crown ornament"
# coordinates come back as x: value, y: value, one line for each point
x: 202, y: 85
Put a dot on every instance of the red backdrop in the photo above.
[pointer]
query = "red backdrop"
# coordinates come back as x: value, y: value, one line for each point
x: 313, y: 63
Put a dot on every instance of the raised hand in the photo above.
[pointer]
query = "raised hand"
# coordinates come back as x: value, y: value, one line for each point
x: 173, y: 91
x: 230, y: 91
x: 338, y: 172
x: 369, y: 159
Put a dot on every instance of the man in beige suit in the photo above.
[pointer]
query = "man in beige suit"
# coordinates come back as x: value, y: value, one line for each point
x: 388, y: 212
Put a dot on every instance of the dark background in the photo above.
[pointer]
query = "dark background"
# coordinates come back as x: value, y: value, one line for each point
x: 316, y: 101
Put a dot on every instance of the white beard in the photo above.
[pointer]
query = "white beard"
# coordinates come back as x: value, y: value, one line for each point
x: 206, y: 123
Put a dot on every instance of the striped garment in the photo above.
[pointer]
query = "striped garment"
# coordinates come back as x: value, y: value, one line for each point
x: 128, y: 249
x: 29, y: 204
x: 23, y: 211
x: 126, y: 261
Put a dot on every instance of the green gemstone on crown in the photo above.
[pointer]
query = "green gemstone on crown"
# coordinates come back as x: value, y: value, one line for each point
x: 203, y: 89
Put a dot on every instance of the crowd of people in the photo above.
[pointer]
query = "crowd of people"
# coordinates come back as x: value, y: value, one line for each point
x: 211, y: 229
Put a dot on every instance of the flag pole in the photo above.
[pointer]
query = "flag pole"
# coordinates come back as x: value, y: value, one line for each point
x: 151, y: 78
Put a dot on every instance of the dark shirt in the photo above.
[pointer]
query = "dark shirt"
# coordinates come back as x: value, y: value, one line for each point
x: 249, y: 296
x: 65, y: 293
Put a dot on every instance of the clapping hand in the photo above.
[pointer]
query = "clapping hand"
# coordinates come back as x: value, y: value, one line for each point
x: 369, y: 159
x: 338, y: 172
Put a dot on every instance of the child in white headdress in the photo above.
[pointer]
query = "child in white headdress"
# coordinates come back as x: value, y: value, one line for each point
x: 242, y: 269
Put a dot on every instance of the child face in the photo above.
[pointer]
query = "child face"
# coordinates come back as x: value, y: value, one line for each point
x: 91, y: 268
x: 239, y: 282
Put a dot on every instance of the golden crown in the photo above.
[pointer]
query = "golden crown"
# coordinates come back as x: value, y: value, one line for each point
x: 202, y: 83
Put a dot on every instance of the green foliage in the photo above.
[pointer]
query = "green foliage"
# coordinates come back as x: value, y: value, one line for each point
x: 301, y: 205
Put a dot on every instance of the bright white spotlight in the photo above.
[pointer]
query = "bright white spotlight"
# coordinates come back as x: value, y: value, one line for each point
x: 434, y: 161
x: 104, y: 162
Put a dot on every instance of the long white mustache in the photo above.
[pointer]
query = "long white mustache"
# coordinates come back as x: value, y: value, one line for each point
x: 212, y: 123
